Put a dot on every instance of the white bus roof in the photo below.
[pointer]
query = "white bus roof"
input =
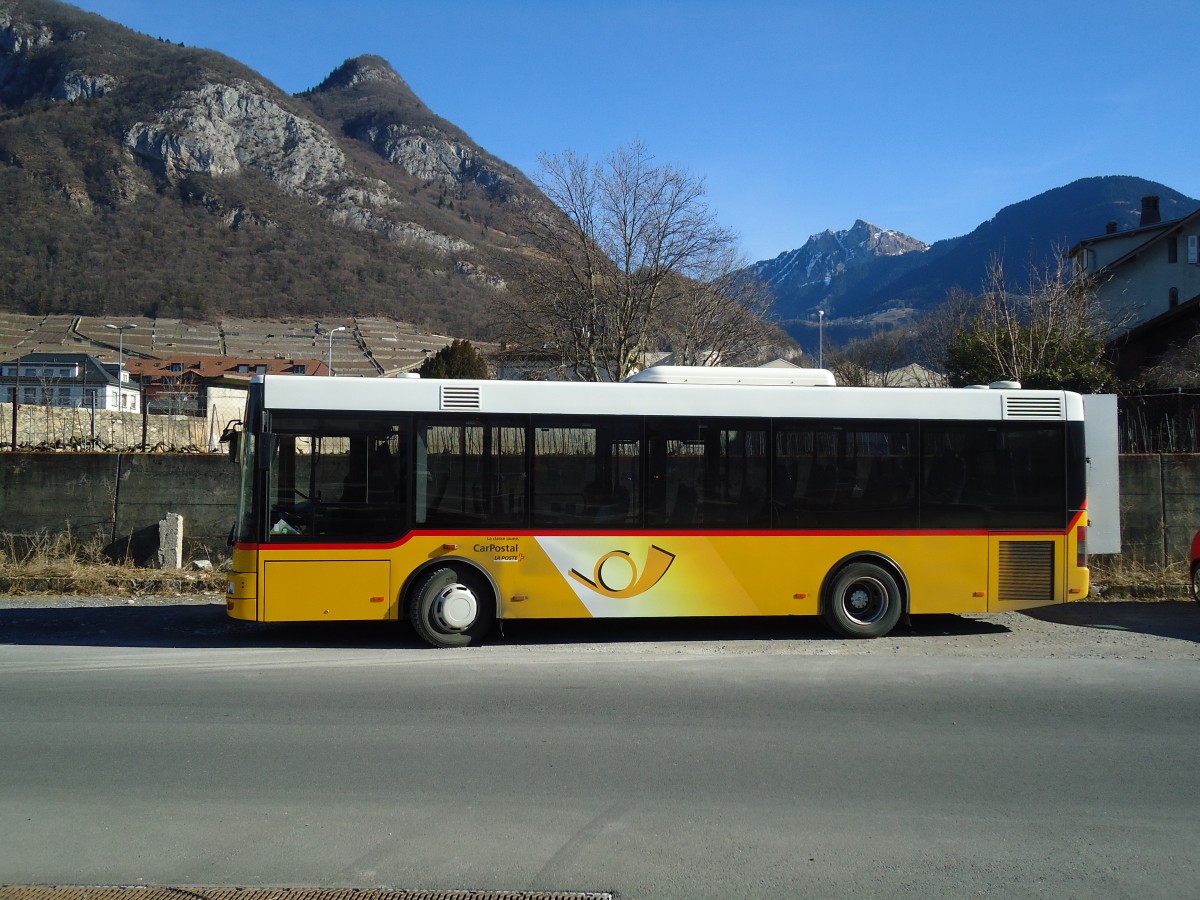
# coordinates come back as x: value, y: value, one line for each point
x: 793, y: 377
x: 652, y: 397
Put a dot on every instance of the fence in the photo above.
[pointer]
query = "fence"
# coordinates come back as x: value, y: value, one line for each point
x: 1165, y: 421
x: 181, y: 428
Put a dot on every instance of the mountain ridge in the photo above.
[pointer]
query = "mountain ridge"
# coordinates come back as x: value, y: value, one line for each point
x: 231, y: 196
x: 140, y: 177
x: 1023, y: 234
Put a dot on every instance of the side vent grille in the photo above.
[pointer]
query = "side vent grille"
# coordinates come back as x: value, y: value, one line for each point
x: 1033, y: 407
x: 1027, y: 571
x: 460, y: 398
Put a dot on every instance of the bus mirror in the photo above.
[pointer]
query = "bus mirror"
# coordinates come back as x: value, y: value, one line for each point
x: 232, y: 436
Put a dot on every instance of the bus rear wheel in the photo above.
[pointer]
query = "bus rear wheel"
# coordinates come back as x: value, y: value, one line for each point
x: 452, y: 607
x: 1196, y: 581
x: 864, y: 601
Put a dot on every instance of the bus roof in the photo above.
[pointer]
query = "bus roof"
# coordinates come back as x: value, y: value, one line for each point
x: 760, y: 375
x: 646, y: 398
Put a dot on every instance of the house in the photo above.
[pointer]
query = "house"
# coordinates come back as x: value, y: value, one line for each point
x: 180, y: 385
x: 68, y: 380
x: 209, y: 387
x: 911, y: 375
x: 1147, y: 278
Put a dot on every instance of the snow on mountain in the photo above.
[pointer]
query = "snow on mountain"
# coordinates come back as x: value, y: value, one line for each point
x: 827, y: 255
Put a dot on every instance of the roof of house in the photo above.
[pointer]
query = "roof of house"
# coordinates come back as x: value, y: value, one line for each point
x: 94, y: 371
x: 911, y: 375
x: 1175, y: 322
x: 209, y: 367
x: 1152, y: 233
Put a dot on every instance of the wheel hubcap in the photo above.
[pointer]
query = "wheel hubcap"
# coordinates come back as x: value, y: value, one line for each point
x: 865, y: 601
x: 456, y: 608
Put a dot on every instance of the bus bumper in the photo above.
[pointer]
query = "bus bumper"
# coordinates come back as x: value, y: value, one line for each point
x: 241, y: 596
x: 1080, y: 583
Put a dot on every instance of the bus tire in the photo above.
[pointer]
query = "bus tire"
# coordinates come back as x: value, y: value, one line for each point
x: 1196, y: 581
x: 452, y: 606
x: 864, y: 601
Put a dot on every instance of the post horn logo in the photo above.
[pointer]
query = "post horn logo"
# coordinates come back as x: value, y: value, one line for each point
x: 658, y: 561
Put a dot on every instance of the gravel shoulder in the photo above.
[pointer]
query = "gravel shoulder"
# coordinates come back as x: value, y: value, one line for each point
x: 1110, y: 628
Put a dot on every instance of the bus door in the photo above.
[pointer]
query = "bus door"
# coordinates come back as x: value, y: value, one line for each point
x: 338, y: 502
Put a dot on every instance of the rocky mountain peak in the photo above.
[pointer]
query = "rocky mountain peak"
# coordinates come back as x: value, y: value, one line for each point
x: 829, y: 254
x: 200, y: 188
x: 373, y: 105
x: 360, y: 70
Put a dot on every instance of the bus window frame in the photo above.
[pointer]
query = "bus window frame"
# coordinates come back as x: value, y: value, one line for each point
x: 648, y: 511
x: 372, y: 519
x: 610, y: 494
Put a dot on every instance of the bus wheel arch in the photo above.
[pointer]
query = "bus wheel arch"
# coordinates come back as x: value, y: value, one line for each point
x: 450, y: 603
x: 864, y: 596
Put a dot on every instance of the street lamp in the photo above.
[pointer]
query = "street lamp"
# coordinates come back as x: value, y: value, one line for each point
x: 332, y: 332
x: 820, y: 338
x: 120, y: 330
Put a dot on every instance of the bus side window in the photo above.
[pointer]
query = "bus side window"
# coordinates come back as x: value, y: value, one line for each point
x: 470, y: 472
x: 683, y: 509
x: 947, y: 495
x: 823, y: 477
x: 354, y: 482
x: 946, y: 478
x: 339, y: 479
x: 586, y: 473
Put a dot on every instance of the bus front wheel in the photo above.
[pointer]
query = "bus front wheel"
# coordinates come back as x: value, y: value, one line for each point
x: 452, y: 607
x: 864, y: 601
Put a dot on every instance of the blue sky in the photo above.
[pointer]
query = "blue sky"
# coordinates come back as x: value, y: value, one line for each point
x: 800, y: 116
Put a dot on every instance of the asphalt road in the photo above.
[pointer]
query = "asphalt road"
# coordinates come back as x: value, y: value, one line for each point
x: 1043, y: 755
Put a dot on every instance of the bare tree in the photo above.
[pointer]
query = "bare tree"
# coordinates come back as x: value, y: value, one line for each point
x: 616, y: 249
x: 719, y: 316
x: 1052, y: 336
x: 1178, y: 367
x: 873, y: 360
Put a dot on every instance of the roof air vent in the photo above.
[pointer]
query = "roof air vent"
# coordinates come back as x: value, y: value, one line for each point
x: 456, y: 397
x: 1026, y: 407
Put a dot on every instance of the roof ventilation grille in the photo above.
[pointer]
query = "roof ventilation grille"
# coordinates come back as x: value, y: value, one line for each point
x: 454, y: 397
x: 1033, y: 408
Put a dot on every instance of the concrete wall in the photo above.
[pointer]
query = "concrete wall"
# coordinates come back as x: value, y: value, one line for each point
x: 39, y: 427
x: 120, y: 497
x: 1160, y: 506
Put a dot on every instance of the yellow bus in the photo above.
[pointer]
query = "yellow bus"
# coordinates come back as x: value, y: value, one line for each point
x: 680, y: 492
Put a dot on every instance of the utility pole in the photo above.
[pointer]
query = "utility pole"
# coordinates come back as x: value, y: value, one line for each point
x: 16, y: 403
x: 820, y: 338
x: 120, y: 330
x: 332, y: 332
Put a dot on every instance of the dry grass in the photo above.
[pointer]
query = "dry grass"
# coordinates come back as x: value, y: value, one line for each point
x: 1115, y: 577
x: 61, y: 563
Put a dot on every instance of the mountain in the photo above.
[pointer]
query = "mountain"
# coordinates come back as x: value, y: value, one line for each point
x: 852, y: 279
x: 144, y: 178
x: 140, y: 177
x: 831, y: 264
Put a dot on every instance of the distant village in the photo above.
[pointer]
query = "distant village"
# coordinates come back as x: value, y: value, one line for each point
x: 156, y: 367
